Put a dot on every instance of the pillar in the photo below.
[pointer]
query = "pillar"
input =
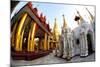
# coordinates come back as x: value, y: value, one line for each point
x: 18, y: 34
x: 69, y: 45
x: 28, y: 49
x: 21, y: 40
x: 31, y: 42
x: 45, y: 41
x: 81, y: 45
x: 13, y: 35
x: 61, y: 47
x: 93, y: 40
x: 48, y: 42
x: 51, y: 44
x: 86, y: 45
x: 65, y: 50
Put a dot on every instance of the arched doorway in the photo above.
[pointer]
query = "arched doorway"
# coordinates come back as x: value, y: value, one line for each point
x: 77, y: 41
x: 89, y: 42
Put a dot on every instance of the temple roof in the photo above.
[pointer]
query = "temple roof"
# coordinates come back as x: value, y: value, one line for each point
x: 33, y: 12
x: 40, y: 17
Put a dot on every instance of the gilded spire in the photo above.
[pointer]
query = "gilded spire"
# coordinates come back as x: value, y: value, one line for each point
x: 55, y: 24
x: 55, y: 28
x: 90, y: 14
x: 90, y: 19
x: 64, y: 22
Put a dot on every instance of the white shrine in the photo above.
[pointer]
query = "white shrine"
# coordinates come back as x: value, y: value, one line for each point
x: 80, y: 41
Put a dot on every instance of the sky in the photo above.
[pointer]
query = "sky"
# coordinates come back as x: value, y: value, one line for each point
x: 52, y: 11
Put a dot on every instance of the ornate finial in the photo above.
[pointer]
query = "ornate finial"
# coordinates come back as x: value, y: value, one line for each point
x: 79, y: 15
x: 30, y: 4
x: 63, y: 15
x: 77, y: 19
x: 41, y: 15
x: 55, y: 19
x: 64, y: 22
x: 45, y: 18
x: 55, y: 25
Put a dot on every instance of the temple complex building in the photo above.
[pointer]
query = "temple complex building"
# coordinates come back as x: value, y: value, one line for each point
x: 84, y: 36
x: 79, y: 41
x: 29, y: 33
x: 66, y: 44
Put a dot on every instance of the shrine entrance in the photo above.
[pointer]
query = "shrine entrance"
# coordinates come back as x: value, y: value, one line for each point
x: 89, y: 41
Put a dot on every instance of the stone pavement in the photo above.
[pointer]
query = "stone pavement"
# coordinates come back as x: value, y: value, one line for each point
x: 51, y: 59
x: 85, y: 59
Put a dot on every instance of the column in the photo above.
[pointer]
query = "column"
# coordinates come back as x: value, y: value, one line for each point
x: 31, y: 42
x: 93, y: 40
x: 72, y: 46
x: 86, y: 45
x: 28, y: 48
x: 21, y: 40
x: 81, y: 45
x: 51, y: 45
x: 65, y: 47
x: 60, y: 48
x: 84, y: 49
x: 13, y: 35
x: 45, y: 41
x: 69, y: 47
x: 48, y: 42
x: 19, y: 30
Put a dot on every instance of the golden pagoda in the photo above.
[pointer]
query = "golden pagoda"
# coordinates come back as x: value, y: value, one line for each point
x: 55, y: 35
x: 56, y: 32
